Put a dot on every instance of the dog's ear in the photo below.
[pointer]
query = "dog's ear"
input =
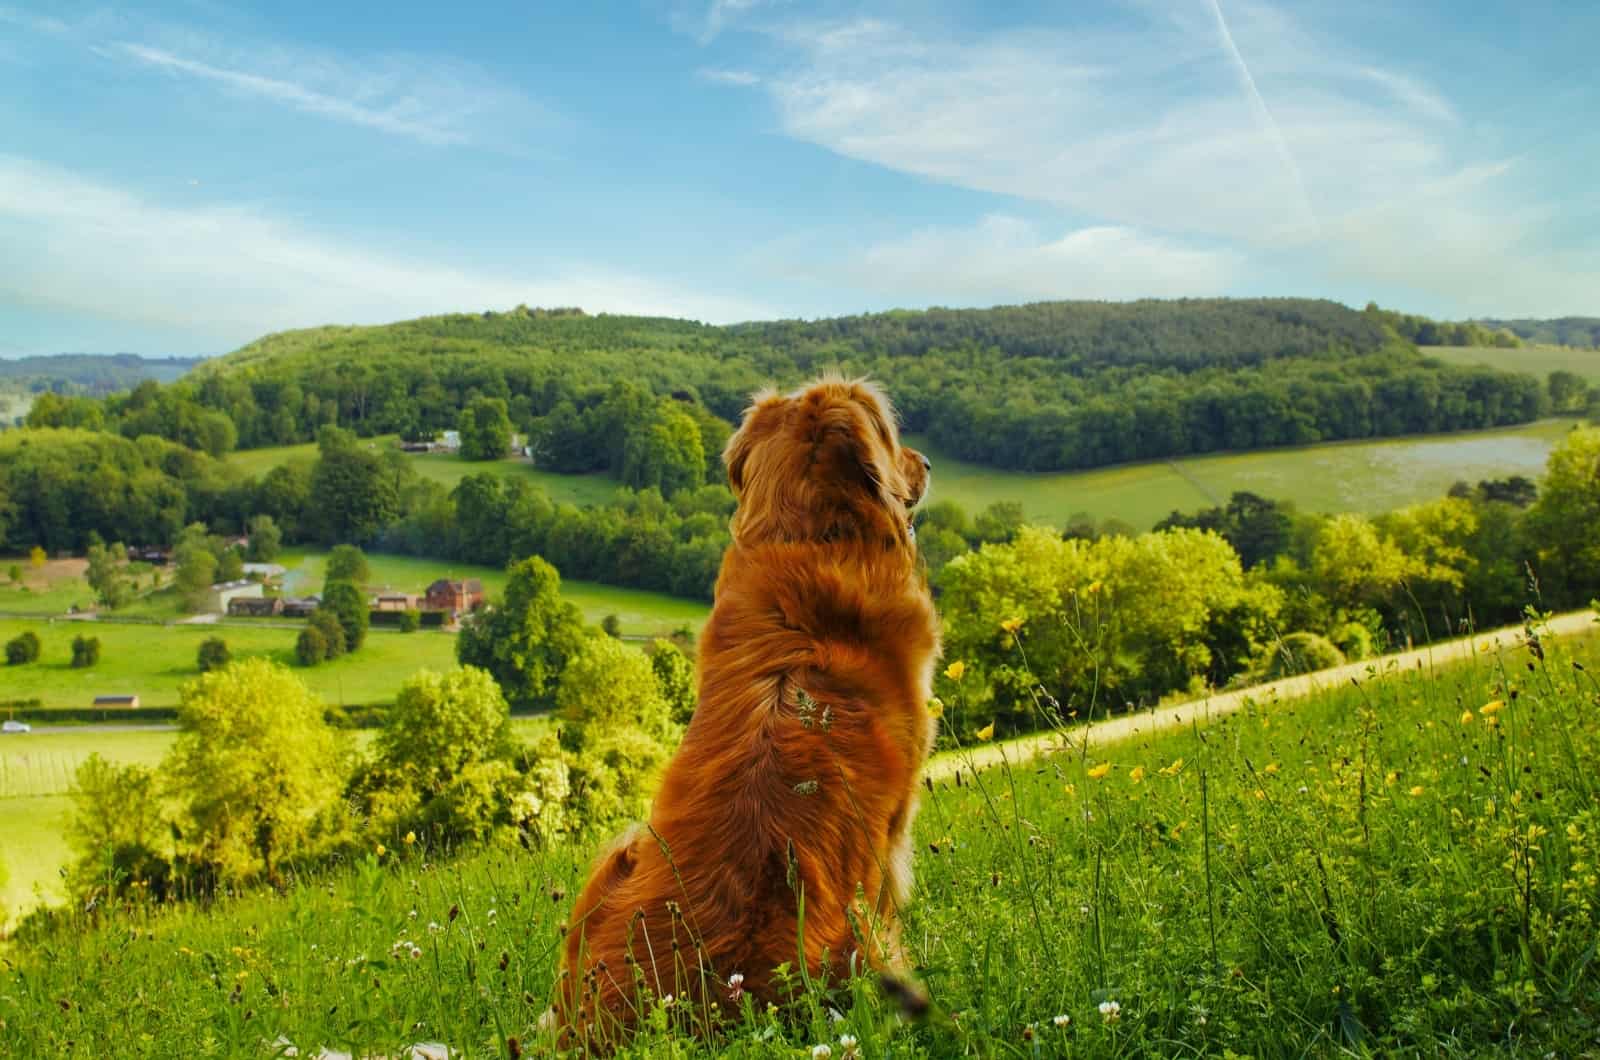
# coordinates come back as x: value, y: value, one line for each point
x: 737, y: 451
x: 843, y: 442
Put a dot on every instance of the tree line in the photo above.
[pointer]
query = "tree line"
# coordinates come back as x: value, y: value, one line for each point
x: 1048, y: 386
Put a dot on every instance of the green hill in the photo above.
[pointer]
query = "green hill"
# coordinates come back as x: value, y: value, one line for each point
x: 1048, y: 386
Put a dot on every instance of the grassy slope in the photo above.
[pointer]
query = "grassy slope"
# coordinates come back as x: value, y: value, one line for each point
x: 1348, y: 871
x: 1371, y: 477
x: 1536, y: 360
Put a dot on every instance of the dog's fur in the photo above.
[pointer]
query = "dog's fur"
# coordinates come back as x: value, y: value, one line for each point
x: 796, y: 782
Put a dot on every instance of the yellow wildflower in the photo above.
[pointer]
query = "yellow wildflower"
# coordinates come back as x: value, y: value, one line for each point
x: 381, y: 850
x: 411, y: 838
x: 936, y: 707
x: 1491, y: 721
x: 1417, y: 790
x: 985, y: 733
x: 1136, y: 774
x: 956, y: 670
x: 1271, y: 770
x: 1261, y: 794
x: 1466, y: 717
x: 1172, y: 770
x: 1099, y: 772
x: 1494, y: 706
x: 1094, y: 587
x: 1011, y: 625
x: 1070, y: 789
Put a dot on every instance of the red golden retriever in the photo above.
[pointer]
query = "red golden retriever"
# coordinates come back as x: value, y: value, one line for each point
x: 785, y: 817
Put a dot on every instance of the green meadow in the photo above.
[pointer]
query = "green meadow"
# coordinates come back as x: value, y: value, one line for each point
x: 1401, y: 867
x: 1370, y: 477
x: 1535, y: 360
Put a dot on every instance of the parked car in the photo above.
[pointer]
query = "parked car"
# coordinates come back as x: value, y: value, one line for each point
x: 15, y: 726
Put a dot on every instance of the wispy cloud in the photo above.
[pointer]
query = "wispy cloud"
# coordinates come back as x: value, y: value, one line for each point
x: 234, y: 272
x: 434, y: 100
x: 1004, y: 258
x: 1155, y: 123
x: 738, y: 78
x: 403, y: 119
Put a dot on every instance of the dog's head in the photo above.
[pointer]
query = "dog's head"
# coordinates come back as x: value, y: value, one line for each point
x: 824, y: 463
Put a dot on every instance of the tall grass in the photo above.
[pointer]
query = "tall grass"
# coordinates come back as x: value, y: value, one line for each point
x: 1403, y: 866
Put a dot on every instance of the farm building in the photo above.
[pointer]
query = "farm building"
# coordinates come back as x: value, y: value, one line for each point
x: 450, y: 441
x: 130, y: 702
x: 220, y: 595
x: 255, y: 606
x: 300, y: 606
x: 395, y: 602
x: 455, y: 596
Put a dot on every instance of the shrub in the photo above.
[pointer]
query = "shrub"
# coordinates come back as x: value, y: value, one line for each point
x: 344, y: 600
x: 1354, y: 640
x: 311, y: 647
x: 85, y: 652
x: 214, y: 654
x: 1303, y: 653
x: 675, y: 677
x: 611, y: 625
x: 22, y: 649
x: 116, y: 829
x: 327, y: 623
x: 442, y: 723
x: 410, y: 621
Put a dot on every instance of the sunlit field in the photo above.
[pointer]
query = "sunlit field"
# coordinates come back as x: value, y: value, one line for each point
x: 1404, y: 866
x: 1537, y: 360
x: 1368, y: 477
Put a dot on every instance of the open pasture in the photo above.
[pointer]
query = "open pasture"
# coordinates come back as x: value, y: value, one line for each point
x: 1402, y: 867
x: 1370, y: 477
x: 1535, y: 360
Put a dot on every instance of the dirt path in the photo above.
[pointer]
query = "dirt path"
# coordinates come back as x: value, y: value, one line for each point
x: 1126, y: 726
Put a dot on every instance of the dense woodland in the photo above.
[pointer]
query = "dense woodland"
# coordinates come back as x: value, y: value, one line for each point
x: 1039, y: 387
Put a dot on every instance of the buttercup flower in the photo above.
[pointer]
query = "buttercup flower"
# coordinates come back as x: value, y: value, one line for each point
x: 1466, y: 717
x: 955, y: 670
x: 986, y: 733
x: 936, y: 707
x: 1011, y: 625
x: 1136, y: 774
x: 411, y: 838
x: 1271, y: 769
x: 381, y: 850
x: 1417, y: 790
x: 1494, y: 706
x: 1099, y: 772
x: 1172, y: 770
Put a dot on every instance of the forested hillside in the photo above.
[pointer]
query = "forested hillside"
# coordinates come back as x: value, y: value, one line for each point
x: 91, y: 373
x: 1038, y: 387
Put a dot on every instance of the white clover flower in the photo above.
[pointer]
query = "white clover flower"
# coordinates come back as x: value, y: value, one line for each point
x: 433, y: 927
x: 821, y: 1052
x: 668, y: 1001
x: 1062, y: 1020
x: 1110, y: 1011
x: 735, y: 987
x: 847, y: 1047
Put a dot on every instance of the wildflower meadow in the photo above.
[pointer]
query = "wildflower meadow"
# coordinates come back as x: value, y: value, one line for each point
x: 1406, y: 865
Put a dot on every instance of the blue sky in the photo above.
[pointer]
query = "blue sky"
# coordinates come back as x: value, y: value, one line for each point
x: 186, y: 175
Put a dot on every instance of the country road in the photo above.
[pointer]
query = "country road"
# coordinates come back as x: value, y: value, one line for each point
x: 1126, y: 726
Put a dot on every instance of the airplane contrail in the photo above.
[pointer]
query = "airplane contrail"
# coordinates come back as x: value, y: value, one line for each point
x: 1264, y: 115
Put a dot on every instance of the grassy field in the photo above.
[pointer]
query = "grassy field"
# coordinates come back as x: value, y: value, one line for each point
x: 1404, y: 867
x: 1370, y: 477
x: 151, y: 661
x: 1535, y: 360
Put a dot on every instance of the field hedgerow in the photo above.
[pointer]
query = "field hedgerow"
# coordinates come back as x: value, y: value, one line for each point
x: 1404, y: 866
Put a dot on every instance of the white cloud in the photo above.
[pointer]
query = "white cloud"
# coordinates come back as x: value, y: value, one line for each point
x: 1006, y: 259
x: 231, y: 273
x: 738, y: 78
x: 1256, y: 130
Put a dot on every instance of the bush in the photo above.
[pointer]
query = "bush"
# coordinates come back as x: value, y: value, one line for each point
x: 675, y: 677
x: 311, y: 647
x: 327, y: 623
x: 214, y: 654
x: 343, y: 599
x: 1354, y: 640
x: 85, y: 652
x: 1303, y: 653
x: 116, y: 828
x: 611, y: 625
x: 22, y: 649
x: 410, y: 621
x: 443, y: 723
